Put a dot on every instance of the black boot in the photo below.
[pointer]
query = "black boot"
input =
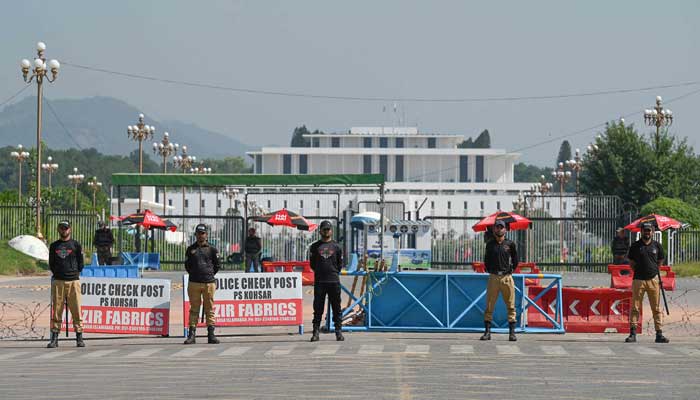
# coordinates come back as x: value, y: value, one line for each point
x: 314, y: 335
x: 632, y: 338
x: 79, y: 339
x: 53, y: 342
x: 339, y: 335
x: 511, y: 332
x: 487, y: 331
x: 660, y: 338
x: 191, y: 336
x: 211, y: 338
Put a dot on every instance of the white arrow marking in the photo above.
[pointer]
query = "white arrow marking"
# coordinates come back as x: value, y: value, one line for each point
x: 572, y: 307
x: 613, y: 307
x: 551, y: 306
x: 594, y: 307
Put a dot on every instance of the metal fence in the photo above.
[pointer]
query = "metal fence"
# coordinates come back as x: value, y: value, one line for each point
x: 685, y: 247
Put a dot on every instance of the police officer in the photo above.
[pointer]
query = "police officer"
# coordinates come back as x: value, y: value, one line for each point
x: 201, y: 263
x: 646, y: 256
x: 66, y: 262
x: 620, y: 247
x: 500, y: 260
x: 252, y: 248
x: 103, y: 242
x: 326, y: 260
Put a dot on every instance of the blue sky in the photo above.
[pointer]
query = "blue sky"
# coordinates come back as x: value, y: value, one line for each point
x: 393, y: 49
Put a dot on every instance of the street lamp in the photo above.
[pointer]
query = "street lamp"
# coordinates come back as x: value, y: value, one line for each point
x: 37, y: 72
x: 164, y: 149
x: 658, y: 117
x: 20, y: 156
x: 50, y: 168
x: 519, y: 203
x: 562, y: 177
x: 95, y: 186
x: 75, y: 178
x: 200, y: 169
x: 231, y: 193
x: 544, y: 187
x: 183, y: 162
x: 576, y: 165
x: 140, y: 132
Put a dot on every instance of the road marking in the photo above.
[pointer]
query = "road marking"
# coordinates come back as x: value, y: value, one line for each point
x: 689, y: 351
x: 417, y: 349
x: 280, y: 350
x: 192, y: 351
x: 234, y: 351
x: 326, y: 350
x: 57, y: 354
x: 462, y: 349
x: 371, y: 349
x: 508, y: 350
x: 600, y: 351
x: 98, y: 353
x: 144, y: 352
x: 646, y: 351
x: 554, y: 350
x: 7, y: 356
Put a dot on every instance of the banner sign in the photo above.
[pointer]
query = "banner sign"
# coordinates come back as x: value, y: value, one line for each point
x: 254, y: 299
x: 125, y: 306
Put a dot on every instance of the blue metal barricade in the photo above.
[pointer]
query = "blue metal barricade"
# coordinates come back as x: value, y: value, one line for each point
x: 111, y: 271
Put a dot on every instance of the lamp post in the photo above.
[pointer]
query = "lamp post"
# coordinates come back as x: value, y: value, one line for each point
x: 576, y: 165
x: 200, y: 169
x: 164, y: 149
x: 184, y: 162
x: 38, y: 70
x: 231, y: 193
x: 50, y: 168
x: 20, y: 156
x: 95, y: 186
x: 561, y: 176
x: 544, y: 187
x: 139, y: 133
x: 75, y: 178
x: 658, y: 117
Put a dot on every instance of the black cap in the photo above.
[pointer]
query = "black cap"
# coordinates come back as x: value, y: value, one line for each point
x: 325, y: 224
x: 647, y: 225
x: 200, y: 228
x: 500, y: 222
x: 64, y: 224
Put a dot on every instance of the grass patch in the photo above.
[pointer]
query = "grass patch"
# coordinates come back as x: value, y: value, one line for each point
x: 687, y: 269
x: 12, y: 262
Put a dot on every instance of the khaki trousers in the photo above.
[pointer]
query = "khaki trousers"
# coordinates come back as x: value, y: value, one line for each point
x: 504, y: 285
x: 62, y: 291
x: 201, y: 293
x: 651, y: 288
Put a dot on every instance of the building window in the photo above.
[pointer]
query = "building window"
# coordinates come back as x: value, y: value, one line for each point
x: 315, y: 142
x: 432, y: 142
x: 367, y: 142
x: 384, y: 166
x: 432, y: 205
x: 481, y: 205
x: 170, y: 202
x: 449, y: 205
x: 303, y: 164
x: 318, y: 203
x: 398, y: 168
x: 187, y: 203
x: 415, y: 205
x: 335, y: 204
x: 466, y: 206
x: 258, y: 164
x: 218, y: 203
x: 480, y: 168
x: 399, y: 142
x: 268, y: 204
x: 202, y: 205
x: 286, y: 163
x: 464, y: 168
x: 301, y: 203
x: 383, y: 142
x: 367, y: 164
x: 498, y: 205
x: 350, y: 204
x: 235, y: 203
x: 335, y: 142
x: 285, y: 204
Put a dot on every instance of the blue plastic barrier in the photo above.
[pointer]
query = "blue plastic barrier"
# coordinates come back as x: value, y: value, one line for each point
x: 142, y: 260
x: 111, y: 271
x: 444, y: 302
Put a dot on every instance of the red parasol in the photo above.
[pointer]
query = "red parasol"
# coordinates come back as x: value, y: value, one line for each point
x: 513, y: 221
x: 148, y: 220
x: 286, y: 218
x: 661, y: 223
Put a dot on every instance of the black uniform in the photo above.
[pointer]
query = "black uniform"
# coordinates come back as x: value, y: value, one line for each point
x: 252, y: 248
x: 646, y: 259
x: 500, y: 258
x: 103, y: 242
x: 202, y: 263
x: 66, y: 260
x: 326, y: 260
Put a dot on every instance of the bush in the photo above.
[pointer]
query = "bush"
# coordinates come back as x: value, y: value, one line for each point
x: 674, y: 208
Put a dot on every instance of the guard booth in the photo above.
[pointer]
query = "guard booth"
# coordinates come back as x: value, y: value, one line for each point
x: 411, y: 240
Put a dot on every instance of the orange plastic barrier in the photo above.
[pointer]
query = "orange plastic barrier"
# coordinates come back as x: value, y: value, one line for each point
x: 307, y: 275
x: 621, y: 277
x: 479, y: 267
x: 585, y: 310
x: 528, y: 268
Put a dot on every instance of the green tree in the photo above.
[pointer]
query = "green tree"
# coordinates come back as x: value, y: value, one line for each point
x: 483, y: 141
x: 298, y: 139
x: 229, y: 165
x: 530, y: 173
x: 674, y: 208
x: 564, y: 153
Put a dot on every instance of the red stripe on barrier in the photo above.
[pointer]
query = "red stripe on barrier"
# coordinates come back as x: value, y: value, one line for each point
x: 254, y: 312
x: 121, y: 320
x: 621, y: 277
x: 307, y: 274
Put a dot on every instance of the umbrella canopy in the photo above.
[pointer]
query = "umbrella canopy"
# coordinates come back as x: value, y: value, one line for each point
x: 661, y: 223
x: 31, y: 246
x: 365, y: 218
x: 513, y: 221
x: 284, y: 217
x: 148, y: 220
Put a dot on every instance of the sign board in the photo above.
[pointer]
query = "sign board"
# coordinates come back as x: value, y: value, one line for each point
x: 255, y: 299
x: 125, y: 306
